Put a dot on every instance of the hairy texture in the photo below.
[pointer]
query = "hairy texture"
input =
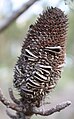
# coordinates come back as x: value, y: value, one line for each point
x: 42, y: 57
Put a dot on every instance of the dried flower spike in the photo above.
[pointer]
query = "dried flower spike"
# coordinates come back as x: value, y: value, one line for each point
x: 42, y: 57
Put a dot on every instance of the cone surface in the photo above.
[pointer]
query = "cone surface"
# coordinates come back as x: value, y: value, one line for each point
x: 42, y: 56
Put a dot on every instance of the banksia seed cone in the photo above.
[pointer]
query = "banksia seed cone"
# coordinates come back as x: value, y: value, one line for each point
x: 42, y: 56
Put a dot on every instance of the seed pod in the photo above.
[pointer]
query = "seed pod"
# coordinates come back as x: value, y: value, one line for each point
x: 42, y: 56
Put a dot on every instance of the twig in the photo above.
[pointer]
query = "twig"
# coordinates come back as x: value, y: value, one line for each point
x: 16, y: 14
x: 18, y: 115
x: 9, y: 104
x: 48, y: 112
x: 12, y: 96
x: 21, y: 109
x: 11, y: 115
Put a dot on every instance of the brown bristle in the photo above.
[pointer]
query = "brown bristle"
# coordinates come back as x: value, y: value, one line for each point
x: 42, y: 56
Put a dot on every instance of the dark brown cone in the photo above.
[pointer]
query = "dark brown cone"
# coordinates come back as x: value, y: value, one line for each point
x: 48, y: 31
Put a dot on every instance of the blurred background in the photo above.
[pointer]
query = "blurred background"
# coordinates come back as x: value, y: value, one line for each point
x: 11, y: 40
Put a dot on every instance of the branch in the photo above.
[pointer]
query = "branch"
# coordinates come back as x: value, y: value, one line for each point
x: 48, y: 112
x: 17, y: 116
x: 21, y: 109
x: 12, y: 96
x: 11, y: 115
x: 15, y: 15
x: 8, y: 104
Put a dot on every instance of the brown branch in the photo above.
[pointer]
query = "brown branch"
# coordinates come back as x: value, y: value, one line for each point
x: 48, y: 112
x: 15, y: 15
x: 8, y: 104
x: 12, y: 96
x: 21, y: 109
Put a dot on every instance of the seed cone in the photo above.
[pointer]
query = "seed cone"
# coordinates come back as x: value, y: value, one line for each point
x: 42, y: 56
